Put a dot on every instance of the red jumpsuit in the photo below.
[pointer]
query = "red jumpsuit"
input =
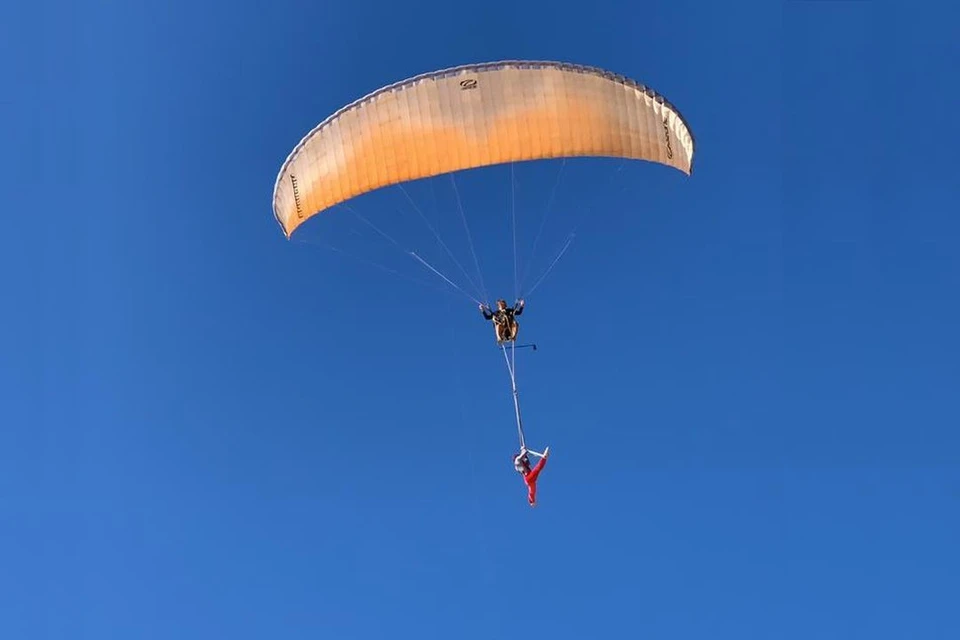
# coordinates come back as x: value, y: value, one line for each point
x: 530, y: 479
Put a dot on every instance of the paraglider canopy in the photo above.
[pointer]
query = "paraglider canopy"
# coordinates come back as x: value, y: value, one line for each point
x: 473, y: 116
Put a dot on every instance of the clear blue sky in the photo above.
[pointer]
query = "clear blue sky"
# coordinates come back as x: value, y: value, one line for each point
x: 748, y: 378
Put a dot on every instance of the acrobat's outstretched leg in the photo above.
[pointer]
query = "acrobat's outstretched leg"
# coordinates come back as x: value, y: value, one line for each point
x: 531, y: 478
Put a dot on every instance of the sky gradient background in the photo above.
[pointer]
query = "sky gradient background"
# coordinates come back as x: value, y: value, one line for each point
x: 748, y: 378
